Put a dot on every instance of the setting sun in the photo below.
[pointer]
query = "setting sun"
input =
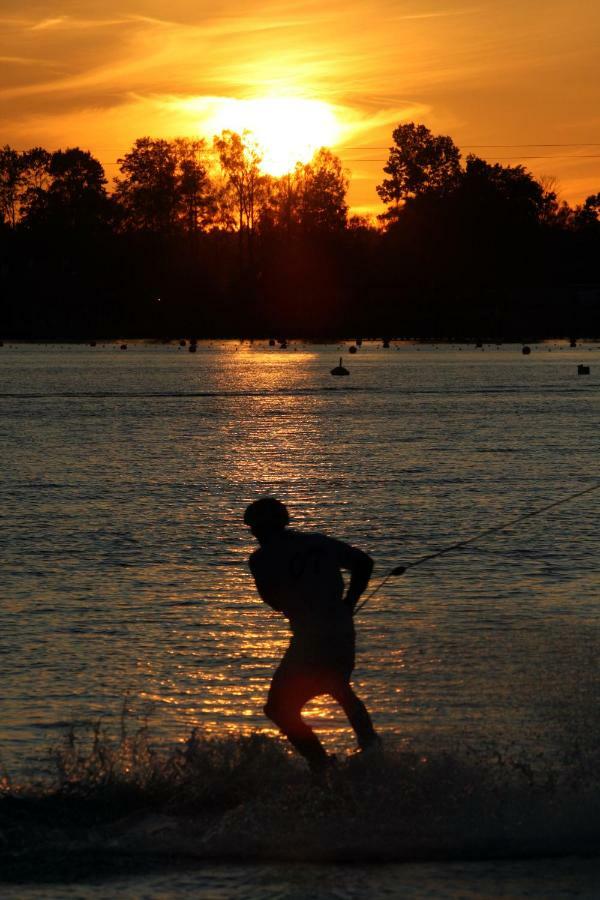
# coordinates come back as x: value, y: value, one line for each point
x: 287, y: 130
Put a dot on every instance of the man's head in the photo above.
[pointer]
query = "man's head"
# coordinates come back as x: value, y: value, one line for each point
x: 266, y: 517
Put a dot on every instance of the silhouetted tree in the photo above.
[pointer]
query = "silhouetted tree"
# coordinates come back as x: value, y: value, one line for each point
x: 419, y: 162
x: 281, y: 211
x: 509, y: 193
x: 554, y: 213
x: 588, y: 214
x: 11, y: 167
x: 240, y: 159
x: 24, y: 177
x: 75, y: 197
x: 166, y: 186
x: 196, y: 193
x: 311, y: 198
x: 148, y: 190
x: 35, y: 179
x: 322, y: 193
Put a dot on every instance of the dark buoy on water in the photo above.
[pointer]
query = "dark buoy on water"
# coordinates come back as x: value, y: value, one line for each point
x: 352, y: 349
x: 123, y: 346
x: 358, y: 342
x: 192, y: 348
x: 283, y: 344
x: 272, y: 342
x: 583, y: 370
x: 526, y: 350
x: 340, y: 370
x: 182, y: 342
x: 386, y: 343
x: 572, y: 342
x: 92, y: 343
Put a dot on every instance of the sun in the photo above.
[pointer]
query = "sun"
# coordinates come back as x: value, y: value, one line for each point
x: 288, y: 130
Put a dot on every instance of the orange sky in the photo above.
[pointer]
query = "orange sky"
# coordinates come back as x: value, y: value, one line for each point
x: 99, y: 74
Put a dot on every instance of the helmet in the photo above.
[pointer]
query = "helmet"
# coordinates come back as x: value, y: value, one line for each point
x: 267, y: 512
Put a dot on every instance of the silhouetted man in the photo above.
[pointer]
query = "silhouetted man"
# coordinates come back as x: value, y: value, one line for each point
x: 299, y: 575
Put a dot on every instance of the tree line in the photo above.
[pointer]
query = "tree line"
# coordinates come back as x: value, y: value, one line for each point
x: 193, y: 238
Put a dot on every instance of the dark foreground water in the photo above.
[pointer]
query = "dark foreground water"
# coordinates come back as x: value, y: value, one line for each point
x: 123, y: 578
x: 569, y: 877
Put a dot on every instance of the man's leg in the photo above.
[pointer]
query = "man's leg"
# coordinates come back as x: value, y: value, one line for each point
x: 287, y: 695
x: 357, y: 714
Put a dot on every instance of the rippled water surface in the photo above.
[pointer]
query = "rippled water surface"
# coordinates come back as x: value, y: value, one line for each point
x: 123, y: 555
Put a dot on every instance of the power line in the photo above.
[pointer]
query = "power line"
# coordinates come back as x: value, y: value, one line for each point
x: 493, y: 146
x: 382, y: 159
x: 514, y: 156
x: 387, y: 146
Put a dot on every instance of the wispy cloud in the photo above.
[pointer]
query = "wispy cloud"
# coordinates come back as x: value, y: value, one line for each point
x: 440, y: 14
x: 25, y: 61
x: 74, y: 24
x: 44, y: 24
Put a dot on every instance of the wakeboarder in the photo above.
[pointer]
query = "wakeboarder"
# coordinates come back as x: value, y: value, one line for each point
x: 299, y: 574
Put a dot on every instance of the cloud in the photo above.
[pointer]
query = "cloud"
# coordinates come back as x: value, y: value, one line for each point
x: 25, y: 61
x: 48, y: 23
x: 440, y: 14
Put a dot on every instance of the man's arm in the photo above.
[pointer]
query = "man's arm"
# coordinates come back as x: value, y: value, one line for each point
x: 265, y: 590
x: 360, y: 566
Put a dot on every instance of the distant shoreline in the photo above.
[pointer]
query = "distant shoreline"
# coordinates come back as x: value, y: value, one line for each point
x: 91, y: 342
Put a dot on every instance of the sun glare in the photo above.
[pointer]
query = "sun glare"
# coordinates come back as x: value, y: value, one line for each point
x: 287, y: 130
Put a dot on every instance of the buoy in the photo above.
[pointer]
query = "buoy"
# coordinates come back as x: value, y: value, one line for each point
x: 526, y: 350
x: 123, y: 346
x: 272, y: 342
x: 352, y: 349
x: 386, y: 343
x: 583, y: 370
x: 572, y: 342
x: 182, y: 343
x: 283, y: 344
x: 192, y: 348
x: 92, y: 343
x: 340, y: 370
x: 358, y: 342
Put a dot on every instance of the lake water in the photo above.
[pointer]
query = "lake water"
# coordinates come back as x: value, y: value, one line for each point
x: 123, y: 555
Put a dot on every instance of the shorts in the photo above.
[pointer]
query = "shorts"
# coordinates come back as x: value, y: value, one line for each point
x: 307, y: 671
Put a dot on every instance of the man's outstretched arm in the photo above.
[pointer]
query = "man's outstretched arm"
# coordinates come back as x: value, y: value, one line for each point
x: 360, y: 566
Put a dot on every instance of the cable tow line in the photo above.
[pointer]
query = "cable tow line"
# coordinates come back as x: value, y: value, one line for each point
x: 400, y: 570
